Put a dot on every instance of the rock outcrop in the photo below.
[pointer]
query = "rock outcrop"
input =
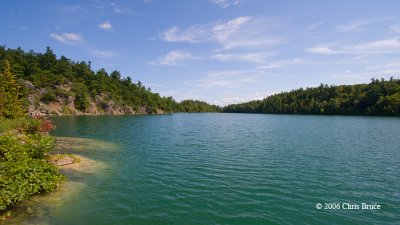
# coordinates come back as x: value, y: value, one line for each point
x: 40, y: 103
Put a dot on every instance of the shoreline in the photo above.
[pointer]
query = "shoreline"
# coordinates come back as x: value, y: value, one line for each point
x: 69, y: 160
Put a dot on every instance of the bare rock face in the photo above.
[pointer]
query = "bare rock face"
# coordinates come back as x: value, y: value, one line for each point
x: 93, y: 110
x: 54, y: 108
x: 144, y: 110
x: 64, y: 103
x: 159, y: 111
x: 128, y: 110
x: 27, y: 84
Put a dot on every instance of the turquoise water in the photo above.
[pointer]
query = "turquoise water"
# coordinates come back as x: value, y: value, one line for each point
x: 235, y: 169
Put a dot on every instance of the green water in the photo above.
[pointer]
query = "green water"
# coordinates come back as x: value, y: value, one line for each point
x: 233, y: 169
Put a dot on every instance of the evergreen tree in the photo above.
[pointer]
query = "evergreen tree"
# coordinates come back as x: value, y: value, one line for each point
x: 10, y: 104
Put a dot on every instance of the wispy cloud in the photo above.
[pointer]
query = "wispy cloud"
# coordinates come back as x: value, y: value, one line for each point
x: 323, y: 50
x: 379, y: 46
x: 227, y: 79
x: 192, y: 34
x: 106, y: 25
x: 390, y: 45
x: 241, y: 32
x: 121, y: 10
x: 219, y: 31
x: 68, y: 38
x: 103, y: 54
x: 226, y: 3
x: 315, y: 25
x: 244, y: 57
x: 70, y: 8
x: 226, y: 100
x: 357, y: 25
x: 281, y: 63
x: 223, y: 31
x: 173, y: 57
x: 16, y: 26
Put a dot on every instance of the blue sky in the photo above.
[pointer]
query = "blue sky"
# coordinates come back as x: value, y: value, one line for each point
x: 220, y: 51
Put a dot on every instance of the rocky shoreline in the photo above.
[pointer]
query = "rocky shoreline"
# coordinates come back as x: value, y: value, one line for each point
x: 65, y: 103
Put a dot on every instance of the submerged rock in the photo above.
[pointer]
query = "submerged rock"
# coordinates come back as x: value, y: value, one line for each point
x: 65, y: 160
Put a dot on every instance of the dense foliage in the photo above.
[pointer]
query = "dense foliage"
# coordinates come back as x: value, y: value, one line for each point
x: 23, y: 169
x: 24, y: 144
x: 44, y: 70
x: 197, y: 106
x: 379, y: 97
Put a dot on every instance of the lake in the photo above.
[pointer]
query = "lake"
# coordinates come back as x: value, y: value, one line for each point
x: 215, y: 168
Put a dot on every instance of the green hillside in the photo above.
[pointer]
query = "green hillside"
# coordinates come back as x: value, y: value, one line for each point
x: 379, y: 97
x: 73, y: 87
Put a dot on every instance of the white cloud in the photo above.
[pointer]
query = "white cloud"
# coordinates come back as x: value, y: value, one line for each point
x: 16, y: 26
x: 262, y: 94
x: 121, y: 10
x: 241, y: 32
x: 106, y: 25
x: 173, y: 57
x: 226, y: 3
x: 390, y: 45
x: 103, y: 54
x: 192, y: 34
x: 232, y: 100
x: 245, y: 57
x: 320, y: 50
x: 227, y: 79
x: 68, y: 38
x: 356, y: 26
x: 281, y: 63
x: 379, y: 46
x: 315, y: 25
x: 220, y: 32
x: 227, y: 73
x: 223, y: 32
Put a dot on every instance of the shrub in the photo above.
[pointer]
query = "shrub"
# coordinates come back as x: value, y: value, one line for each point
x: 23, y: 169
x: 62, y: 93
x: 50, y: 96
x: 39, y: 124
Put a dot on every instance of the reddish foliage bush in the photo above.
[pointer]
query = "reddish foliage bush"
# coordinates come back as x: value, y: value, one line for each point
x: 44, y: 125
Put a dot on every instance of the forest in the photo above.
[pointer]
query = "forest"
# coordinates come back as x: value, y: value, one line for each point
x: 45, y: 70
x: 379, y: 97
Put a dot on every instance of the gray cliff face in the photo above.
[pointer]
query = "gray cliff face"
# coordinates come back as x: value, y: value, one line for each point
x: 41, y: 103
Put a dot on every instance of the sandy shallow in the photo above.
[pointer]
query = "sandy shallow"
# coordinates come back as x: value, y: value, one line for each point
x: 85, y: 165
x: 79, y: 145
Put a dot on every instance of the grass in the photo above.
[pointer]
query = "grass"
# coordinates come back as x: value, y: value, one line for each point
x: 10, y: 124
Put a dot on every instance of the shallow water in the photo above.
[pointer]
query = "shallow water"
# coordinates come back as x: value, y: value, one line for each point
x: 234, y: 169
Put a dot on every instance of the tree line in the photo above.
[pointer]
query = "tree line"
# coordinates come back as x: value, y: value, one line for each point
x: 379, y: 97
x: 45, y: 70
